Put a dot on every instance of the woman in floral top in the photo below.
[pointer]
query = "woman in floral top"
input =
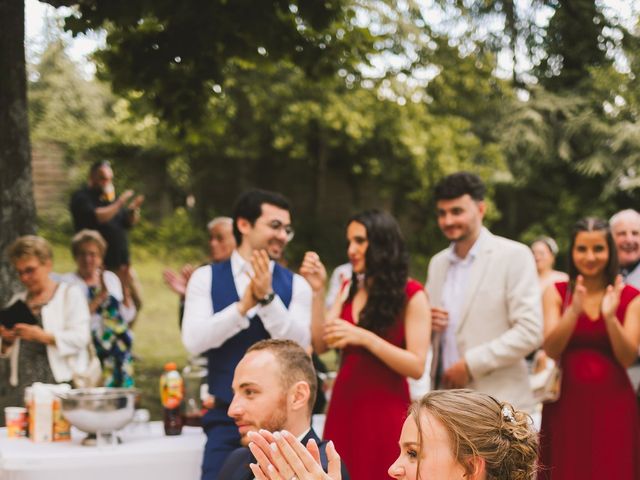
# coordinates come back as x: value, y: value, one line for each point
x: 112, y: 310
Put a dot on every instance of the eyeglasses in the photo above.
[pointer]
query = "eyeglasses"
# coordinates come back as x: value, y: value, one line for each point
x: 87, y: 254
x: 26, y: 271
x: 277, y: 225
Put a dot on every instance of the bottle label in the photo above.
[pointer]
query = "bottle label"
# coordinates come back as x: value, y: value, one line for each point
x: 171, y: 391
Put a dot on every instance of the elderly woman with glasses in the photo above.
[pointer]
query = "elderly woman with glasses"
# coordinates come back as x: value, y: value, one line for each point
x: 111, y: 310
x: 45, y: 329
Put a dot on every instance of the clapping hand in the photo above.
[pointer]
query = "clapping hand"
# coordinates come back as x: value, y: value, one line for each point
x: 611, y: 299
x: 579, y: 295
x: 281, y: 456
x: 125, y: 196
x: 261, y: 281
x: 136, y: 202
x: 178, y: 282
x: 313, y: 271
x: 133, y: 208
x: 175, y: 281
x: 101, y: 294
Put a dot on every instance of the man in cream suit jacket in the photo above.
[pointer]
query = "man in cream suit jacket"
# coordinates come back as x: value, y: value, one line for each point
x: 486, y: 300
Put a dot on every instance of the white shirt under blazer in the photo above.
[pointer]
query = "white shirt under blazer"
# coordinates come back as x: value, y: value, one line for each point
x: 500, y: 319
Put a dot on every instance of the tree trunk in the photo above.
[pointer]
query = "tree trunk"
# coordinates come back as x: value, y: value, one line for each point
x: 17, y: 207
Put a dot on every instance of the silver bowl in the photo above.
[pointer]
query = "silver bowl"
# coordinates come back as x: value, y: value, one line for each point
x: 99, y: 411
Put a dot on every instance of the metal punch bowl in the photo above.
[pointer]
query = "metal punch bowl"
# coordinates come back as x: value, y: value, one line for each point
x: 98, y: 410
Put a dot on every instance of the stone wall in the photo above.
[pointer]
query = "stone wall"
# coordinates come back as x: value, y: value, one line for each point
x: 52, y: 180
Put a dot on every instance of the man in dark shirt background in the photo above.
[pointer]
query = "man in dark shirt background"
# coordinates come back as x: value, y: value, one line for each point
x: 96, y: 207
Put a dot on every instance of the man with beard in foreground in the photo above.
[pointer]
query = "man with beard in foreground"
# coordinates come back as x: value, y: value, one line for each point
x: 231, y: 305
x: 274, y: 388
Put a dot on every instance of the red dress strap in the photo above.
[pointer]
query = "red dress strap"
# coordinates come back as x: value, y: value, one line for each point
x: 565, y: 294
x: 412, y: 287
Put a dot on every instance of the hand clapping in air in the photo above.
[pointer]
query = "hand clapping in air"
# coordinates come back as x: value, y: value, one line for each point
x: 261, y: 280
x: 313, y: 271
x: 611, y: 299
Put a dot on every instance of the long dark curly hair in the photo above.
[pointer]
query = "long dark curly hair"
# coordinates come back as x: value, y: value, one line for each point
x: 386, y: 271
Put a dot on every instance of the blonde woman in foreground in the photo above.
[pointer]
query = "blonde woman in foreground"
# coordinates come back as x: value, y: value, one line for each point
x: 448, y: 435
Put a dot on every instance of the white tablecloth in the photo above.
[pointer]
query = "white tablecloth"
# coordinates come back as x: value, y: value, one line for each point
x: 143, y: 454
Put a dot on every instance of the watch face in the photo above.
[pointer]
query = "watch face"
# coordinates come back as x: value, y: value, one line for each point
x: 267, y: 299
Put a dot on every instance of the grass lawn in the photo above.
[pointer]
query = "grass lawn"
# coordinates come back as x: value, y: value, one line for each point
x: 157, y: 336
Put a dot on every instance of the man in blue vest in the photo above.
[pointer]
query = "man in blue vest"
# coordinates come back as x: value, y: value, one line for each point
x: 231, y: 305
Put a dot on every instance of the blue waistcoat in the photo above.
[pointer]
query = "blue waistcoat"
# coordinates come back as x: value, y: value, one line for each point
x: 222, y: 361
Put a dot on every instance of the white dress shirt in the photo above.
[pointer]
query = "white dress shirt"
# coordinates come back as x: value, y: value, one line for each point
x: 453, y: 295
x: 202, y: 329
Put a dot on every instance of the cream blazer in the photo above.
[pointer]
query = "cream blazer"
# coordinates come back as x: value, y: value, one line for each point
x: 501, y: 317
x: 67, y: 318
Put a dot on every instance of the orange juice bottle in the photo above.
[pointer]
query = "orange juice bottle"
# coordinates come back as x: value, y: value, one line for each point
x: 171, y: 395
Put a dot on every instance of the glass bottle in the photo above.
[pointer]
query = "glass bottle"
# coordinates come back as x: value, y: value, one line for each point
x: 195, y: 383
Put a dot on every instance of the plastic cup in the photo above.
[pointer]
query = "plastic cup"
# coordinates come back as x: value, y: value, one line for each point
x: 16, y: 421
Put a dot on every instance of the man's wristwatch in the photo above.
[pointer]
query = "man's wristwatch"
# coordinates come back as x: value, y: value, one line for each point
x: 267, y: 299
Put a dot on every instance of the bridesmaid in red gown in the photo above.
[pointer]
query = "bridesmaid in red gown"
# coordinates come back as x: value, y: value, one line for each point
x: 381, y: 322
x: 592, y: 431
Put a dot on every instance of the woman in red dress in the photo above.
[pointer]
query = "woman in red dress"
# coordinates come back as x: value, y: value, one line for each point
x: 381, y: 322
x: 592, y: 327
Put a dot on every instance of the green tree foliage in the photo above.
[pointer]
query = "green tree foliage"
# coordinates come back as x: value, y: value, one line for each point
x: 569, y: 138
x: 64, y: 107
x: 174, y: 53
x: 579, y: 37
x: 336, y: 149
x: 572, y: 154
x: 575, y: 36
x: 322, y: 122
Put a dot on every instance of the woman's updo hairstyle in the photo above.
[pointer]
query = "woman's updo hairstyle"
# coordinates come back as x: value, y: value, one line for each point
x: 480, y: 426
